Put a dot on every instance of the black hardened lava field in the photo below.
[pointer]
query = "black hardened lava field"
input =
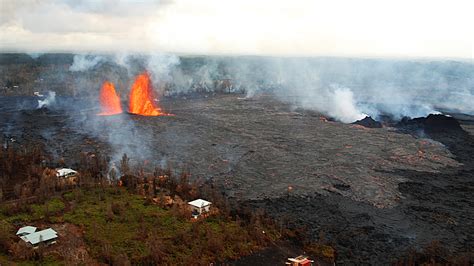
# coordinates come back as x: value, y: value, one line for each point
x: 373, y: 190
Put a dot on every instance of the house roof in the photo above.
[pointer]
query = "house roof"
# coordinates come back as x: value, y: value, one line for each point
x: 26, y: 230
x: 199, y: 203
x: 64, y: 171
x: 303, y: 260
x: 40, y: 236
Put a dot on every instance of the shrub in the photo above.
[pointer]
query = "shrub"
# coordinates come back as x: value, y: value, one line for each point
x: 5, y: 235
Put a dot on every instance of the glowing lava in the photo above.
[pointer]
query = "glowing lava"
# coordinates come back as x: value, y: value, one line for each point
x: 109, y: 100
x: 141, y: 98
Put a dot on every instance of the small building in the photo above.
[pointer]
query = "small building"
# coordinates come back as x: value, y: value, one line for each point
x: 199, y: 206
x: 65, y: 172
x: 25, y: 230
x: 66, y: 176
x: 299, y: 261
x: 47, y: 236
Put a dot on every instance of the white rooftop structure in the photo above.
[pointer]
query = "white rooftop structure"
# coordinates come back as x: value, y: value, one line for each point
x: 199, y: 206
x: 199, y: 203
x: 25, y: 230
x: 64, y: 172
x: 40, y: 236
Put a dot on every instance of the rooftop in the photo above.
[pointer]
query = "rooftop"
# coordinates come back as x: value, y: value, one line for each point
x: 300, y: 259
x: 199, y: 203
x: 26, y: 230
x: 64, y: 172
x: 40, y: 236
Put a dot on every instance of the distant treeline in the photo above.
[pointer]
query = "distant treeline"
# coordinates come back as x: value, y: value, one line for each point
x: 44, y: 59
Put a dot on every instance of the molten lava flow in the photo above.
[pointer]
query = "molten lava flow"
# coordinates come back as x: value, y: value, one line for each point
x: 141, y: 98
x: 109, y: 100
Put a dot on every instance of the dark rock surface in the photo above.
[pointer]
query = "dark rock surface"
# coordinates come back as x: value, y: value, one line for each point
x: 433, y: 123
x: 433, y: 207
x: 368, y: 122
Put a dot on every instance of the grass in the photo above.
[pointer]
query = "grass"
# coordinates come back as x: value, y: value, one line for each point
x: 51, y: 207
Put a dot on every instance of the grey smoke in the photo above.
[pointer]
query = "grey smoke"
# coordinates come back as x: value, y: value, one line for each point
x: 160, y: 65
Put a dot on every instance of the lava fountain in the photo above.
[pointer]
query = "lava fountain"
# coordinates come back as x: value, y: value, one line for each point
x: 141, y: 101
x: 109, y: 100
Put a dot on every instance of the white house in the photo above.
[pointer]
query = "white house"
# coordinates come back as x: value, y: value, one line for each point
x: 300, y: 261
x: 67, y: 176
x: 65, y: 172
x: 29, y: 235
x: 200, y: 206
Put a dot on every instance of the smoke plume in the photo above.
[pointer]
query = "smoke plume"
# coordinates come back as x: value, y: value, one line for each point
x: 49, y: 100
x: 343, y: 88
x: 85, y: 62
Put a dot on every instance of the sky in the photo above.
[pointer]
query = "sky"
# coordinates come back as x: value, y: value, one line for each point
x: 367, y: 28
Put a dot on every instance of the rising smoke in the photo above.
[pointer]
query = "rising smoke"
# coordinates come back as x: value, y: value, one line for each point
x: 120, y: 131
x: 85, y: 62
x: 344, y: 89
x: 375, y: 87
x: 342, y: 106
x: 49, y: 100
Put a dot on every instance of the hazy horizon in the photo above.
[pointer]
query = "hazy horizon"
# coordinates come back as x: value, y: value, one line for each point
x: 362, y: 29
x: 35, y: 54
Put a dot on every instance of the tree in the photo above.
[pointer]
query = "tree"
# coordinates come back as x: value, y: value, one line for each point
x: 5, y: 233
x: 113, y: 175
x: 124, y: 165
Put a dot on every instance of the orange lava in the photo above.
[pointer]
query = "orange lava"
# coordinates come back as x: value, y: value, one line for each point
x: 109, y: 100
x: 141, y: 98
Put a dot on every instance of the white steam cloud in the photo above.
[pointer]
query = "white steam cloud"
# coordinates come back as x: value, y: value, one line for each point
x: 49, y: 100
x: 85, y: 62
x: 344, y: 89
x: 343, y: 106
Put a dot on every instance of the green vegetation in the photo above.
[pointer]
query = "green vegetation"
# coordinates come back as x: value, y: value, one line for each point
x: 33, y: 212
x: 119, y: 226
x: 140, y: 217
x: 54, y: 206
